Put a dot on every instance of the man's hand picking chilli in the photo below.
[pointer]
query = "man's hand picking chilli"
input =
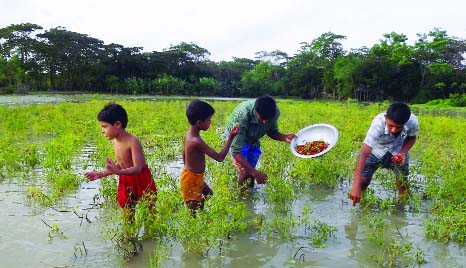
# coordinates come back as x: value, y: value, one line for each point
x: 355, y: 194
x: 398, y: 159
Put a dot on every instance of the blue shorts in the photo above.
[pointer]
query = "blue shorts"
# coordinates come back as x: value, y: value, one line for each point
x: 250, y: 152
x: 373, y: 163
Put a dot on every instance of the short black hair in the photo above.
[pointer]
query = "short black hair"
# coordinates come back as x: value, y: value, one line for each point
x: 399, y: 112
x: 266, y: 107
x: 198, y: 110
x: 113, y: 112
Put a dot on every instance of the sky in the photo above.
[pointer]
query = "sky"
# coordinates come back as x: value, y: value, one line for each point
x: 239, y: 28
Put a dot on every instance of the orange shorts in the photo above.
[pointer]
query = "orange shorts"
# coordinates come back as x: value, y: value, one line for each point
x: 192, y: 185
x: 132, y: 187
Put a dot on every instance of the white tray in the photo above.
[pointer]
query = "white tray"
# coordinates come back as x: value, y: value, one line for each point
x: 316, y: 132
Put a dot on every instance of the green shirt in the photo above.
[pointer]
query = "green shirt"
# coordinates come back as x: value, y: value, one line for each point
x: 250, y: 129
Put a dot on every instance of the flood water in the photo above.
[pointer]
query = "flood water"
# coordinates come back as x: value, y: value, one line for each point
x: 25, y: 242
x: 25, y: 231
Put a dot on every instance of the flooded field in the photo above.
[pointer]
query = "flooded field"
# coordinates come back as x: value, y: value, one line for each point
x: 25, y: 240
x: 301, y: 218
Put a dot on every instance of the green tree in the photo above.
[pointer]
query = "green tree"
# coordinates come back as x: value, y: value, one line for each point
x: 437, y: 47
x: 18, y: 39
x: 230, y: 73
x: 263, y: 79
x: 398, y: 78
x: 303, y: 76
x: 123, y: 62
x: 134, y: 85
x: 112, y: 83
x: 347, y: 72
x: 310, y: 72
x: 328, y: 48
x: 71, y: 57
x: 167, y: 85
x: 207, y: 86
x: 187, y: 61
x: 276, y: 57
x: 11, y: 74
x: 442, y: 76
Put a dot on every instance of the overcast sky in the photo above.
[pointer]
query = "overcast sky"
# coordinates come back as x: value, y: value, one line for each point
x: 238, y: 28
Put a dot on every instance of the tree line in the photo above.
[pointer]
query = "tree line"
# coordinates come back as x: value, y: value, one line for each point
x: 60, y: 60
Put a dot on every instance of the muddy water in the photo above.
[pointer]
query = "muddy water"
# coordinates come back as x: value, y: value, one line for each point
x: 25, y: 241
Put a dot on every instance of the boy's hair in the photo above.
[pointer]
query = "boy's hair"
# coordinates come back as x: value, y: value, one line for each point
x: 266, y: 107
x: 399, y: 112
x: 198, y: 110
x: 113, y: 112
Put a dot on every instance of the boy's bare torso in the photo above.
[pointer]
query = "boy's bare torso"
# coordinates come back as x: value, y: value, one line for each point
x: 194, y: 158
x: 123, y: 152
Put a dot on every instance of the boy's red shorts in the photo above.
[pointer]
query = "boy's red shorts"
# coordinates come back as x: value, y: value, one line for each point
x: 132, y: 187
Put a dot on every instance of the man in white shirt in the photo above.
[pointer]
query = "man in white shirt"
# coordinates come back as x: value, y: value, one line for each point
x: 387, y: 143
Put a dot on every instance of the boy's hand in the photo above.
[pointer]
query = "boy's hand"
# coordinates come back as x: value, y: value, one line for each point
x: 92, y: 176
x: 111, y: 166
x: 234, y: 131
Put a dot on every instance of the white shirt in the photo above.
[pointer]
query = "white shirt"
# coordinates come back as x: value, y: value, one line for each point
x: 381, y: 141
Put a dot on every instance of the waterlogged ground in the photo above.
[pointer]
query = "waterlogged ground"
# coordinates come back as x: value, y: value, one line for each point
x: 78, y: 230
x: 25, y: 241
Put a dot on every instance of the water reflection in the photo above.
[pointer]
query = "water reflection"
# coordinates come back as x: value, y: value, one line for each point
x: 362, y: 233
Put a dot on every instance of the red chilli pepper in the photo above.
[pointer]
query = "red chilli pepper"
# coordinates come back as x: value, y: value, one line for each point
x: 312, y: 147
x: 397, y: 159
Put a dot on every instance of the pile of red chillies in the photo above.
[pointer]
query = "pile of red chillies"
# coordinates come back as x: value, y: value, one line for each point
x: 312, y: 147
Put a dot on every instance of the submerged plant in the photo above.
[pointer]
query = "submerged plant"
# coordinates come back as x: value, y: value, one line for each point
x: 34, y: 194
x: 320, y: 232
x: 400, y: 254
x: 376, y: 230
x: 55, y: 231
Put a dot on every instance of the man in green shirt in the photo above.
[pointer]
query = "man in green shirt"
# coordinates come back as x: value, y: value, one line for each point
x: 255, y: 119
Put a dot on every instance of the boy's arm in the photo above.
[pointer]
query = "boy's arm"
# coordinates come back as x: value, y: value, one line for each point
x: 413, y: 131
x: 220, y: 156
x: 138, y: 159
x: 355, y: 192
x: 94, y: 175
x: 407, y: 144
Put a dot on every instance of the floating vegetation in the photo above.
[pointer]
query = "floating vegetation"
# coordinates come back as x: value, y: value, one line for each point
x: 55, y: 231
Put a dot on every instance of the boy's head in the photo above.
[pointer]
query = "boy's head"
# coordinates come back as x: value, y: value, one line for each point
x: 399, y: 113
x: 112, y: 113
x: 396, y: 117
x: 265, y: 107
x: 198, y: 111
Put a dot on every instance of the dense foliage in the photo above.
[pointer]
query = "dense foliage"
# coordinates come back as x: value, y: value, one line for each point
x: 58, y: 59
